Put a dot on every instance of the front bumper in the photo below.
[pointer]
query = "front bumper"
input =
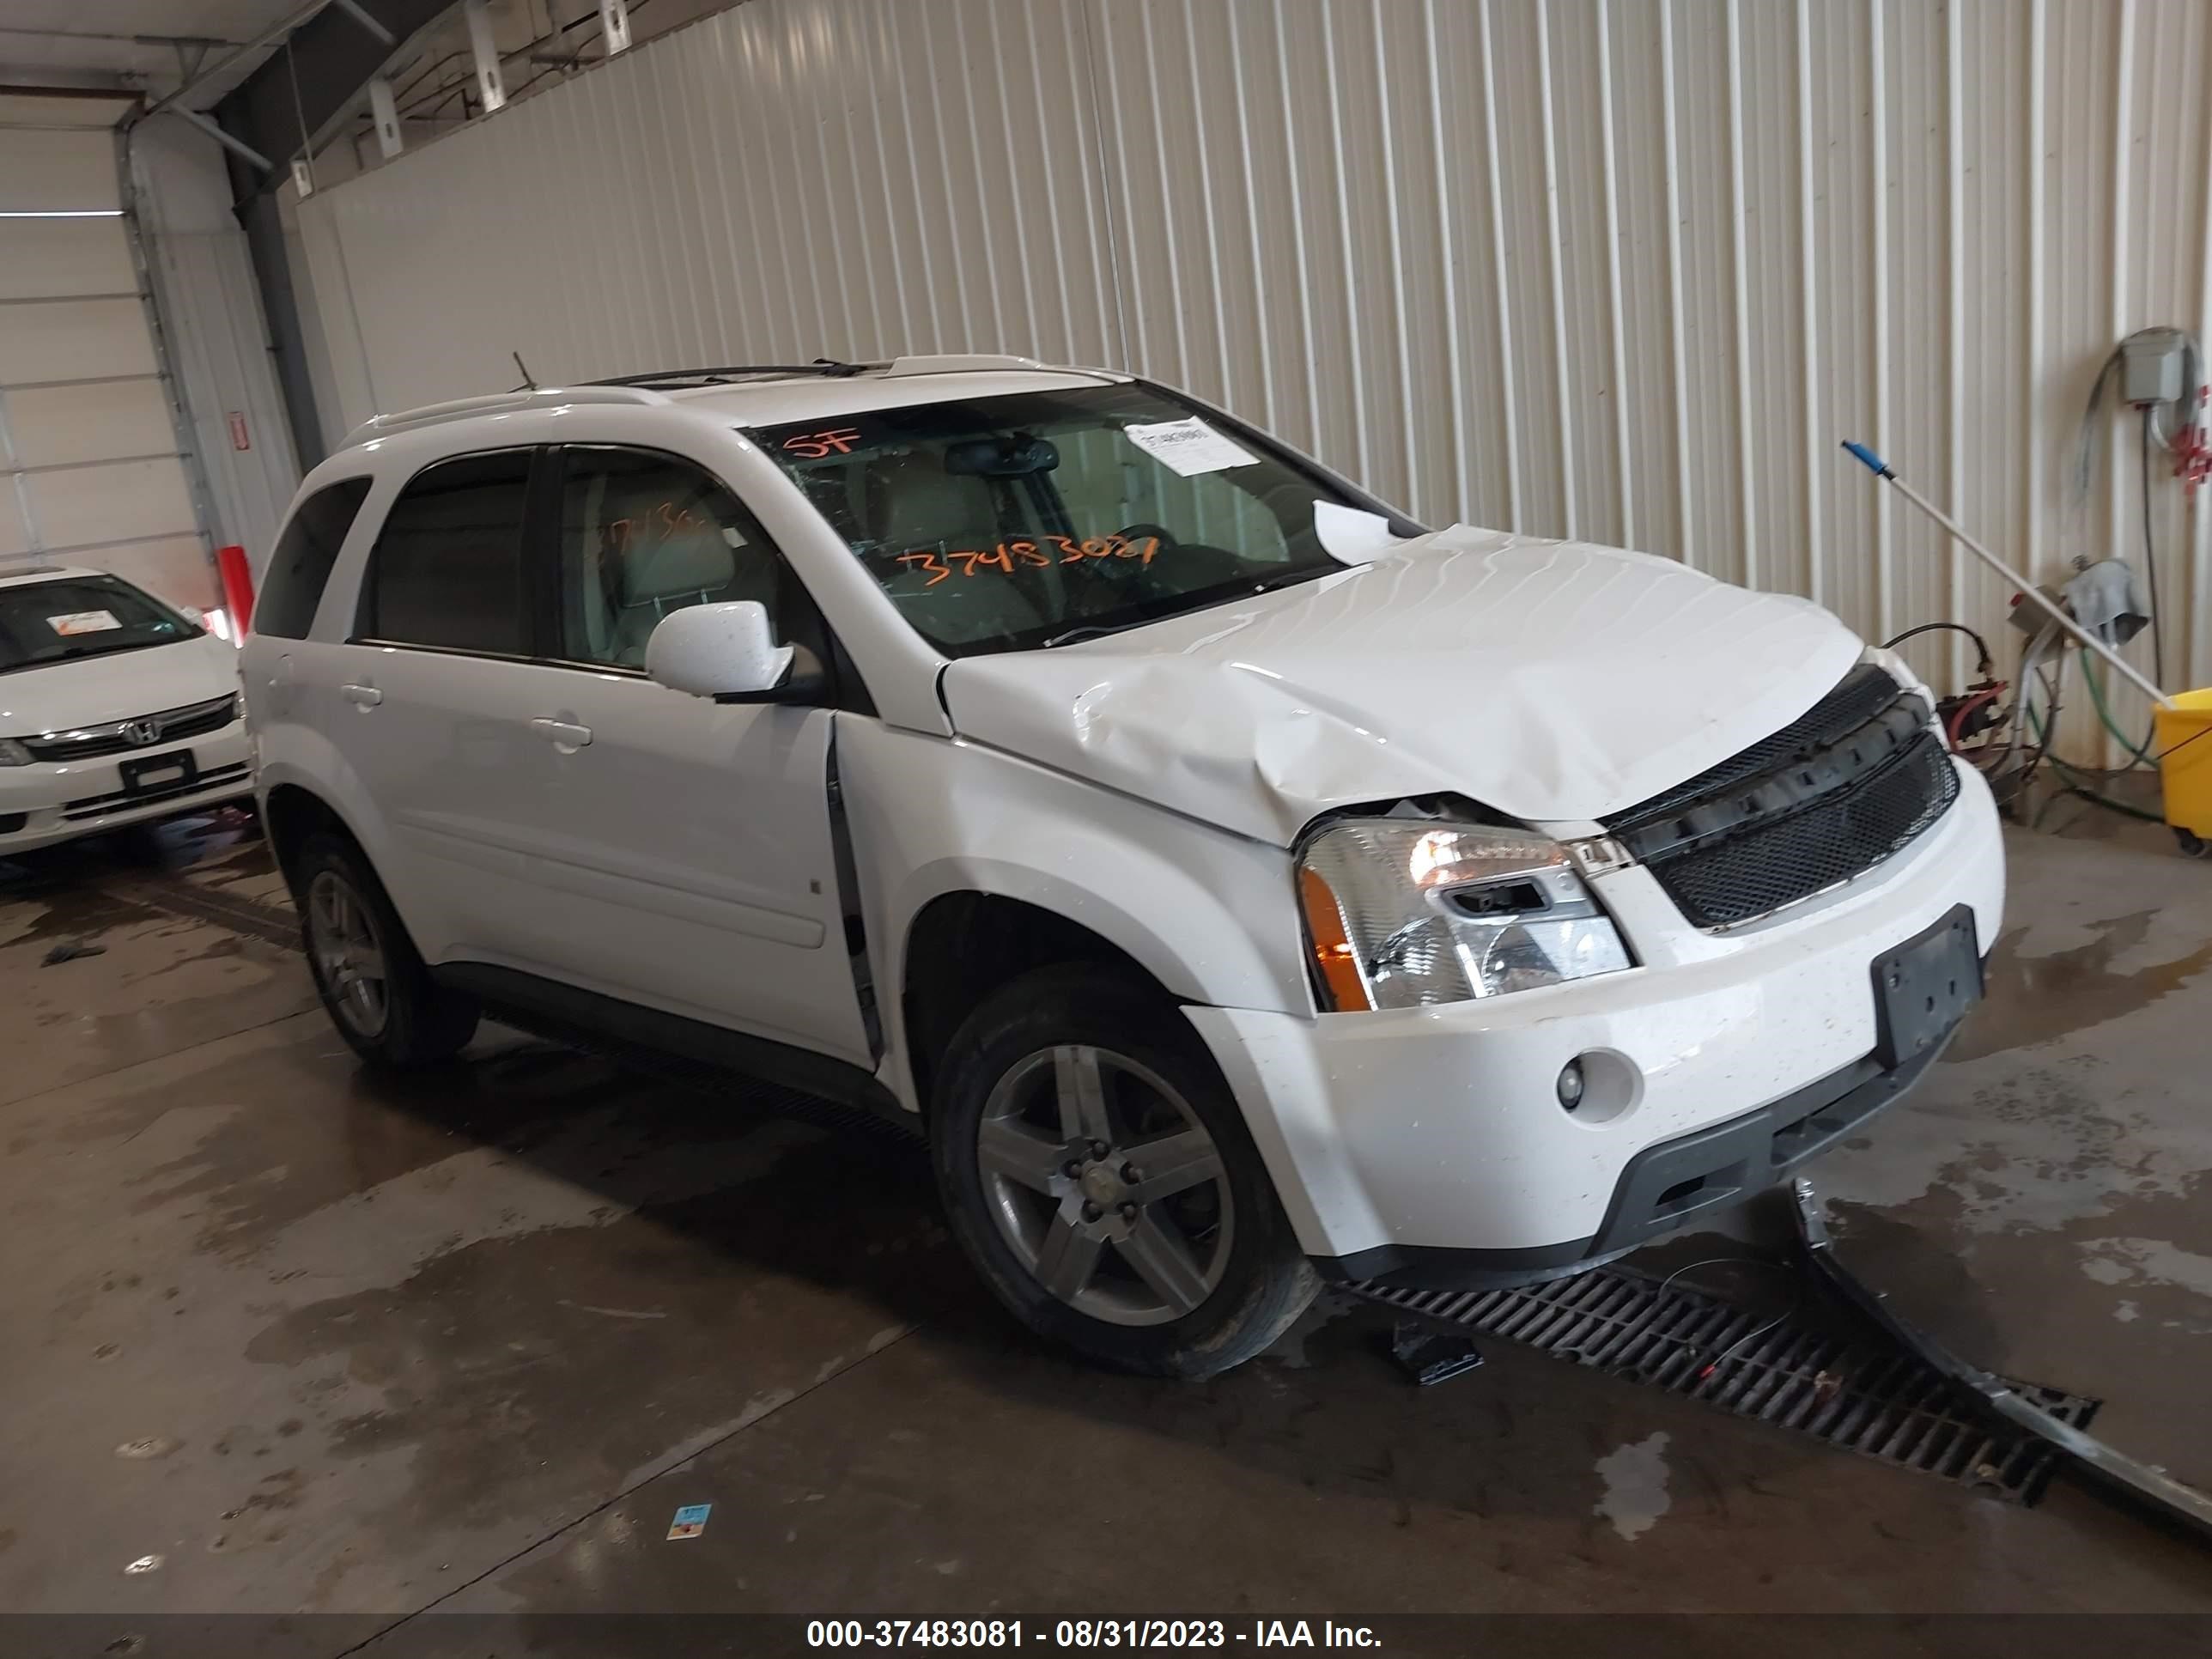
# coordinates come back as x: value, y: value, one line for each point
x: 1664, y: 1187
x: 45, y: 803
x: 1394, y: 1137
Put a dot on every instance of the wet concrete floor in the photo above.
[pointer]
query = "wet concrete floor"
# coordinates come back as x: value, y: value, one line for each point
x: 320, y: 1344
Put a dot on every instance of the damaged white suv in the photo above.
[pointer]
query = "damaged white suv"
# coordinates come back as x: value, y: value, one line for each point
x: 1235, y: 883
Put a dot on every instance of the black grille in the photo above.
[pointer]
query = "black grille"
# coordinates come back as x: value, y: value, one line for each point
x: 170, y: 726
x: 1825, y: 798
x: 1839, y: 835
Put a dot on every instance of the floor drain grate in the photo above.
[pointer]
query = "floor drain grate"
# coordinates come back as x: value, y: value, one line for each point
x: 1810, y: 1370
x: 275, y: 923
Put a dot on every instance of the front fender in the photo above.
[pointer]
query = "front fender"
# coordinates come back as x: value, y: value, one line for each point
x: 1209, y: 915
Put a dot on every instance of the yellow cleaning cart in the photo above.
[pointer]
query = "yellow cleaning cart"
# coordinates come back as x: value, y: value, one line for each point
x: 2184, y: 769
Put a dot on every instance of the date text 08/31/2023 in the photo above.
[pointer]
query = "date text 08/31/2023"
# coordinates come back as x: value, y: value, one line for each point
x: 1087, y: 1633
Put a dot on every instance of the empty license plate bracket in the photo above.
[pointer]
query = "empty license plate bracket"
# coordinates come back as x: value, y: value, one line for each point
x: 1923, y: 987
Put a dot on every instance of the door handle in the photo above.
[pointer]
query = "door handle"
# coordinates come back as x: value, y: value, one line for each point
x: 361, y: 696
x: 566, y: 734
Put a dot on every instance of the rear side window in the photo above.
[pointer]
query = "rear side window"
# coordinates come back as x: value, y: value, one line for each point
x: 447, y: 567
x: 300, y: 566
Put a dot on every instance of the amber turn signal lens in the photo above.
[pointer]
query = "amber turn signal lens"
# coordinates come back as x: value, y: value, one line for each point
x: 1332, y: 950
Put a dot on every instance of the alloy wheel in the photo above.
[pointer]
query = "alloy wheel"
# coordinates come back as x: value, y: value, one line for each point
x: 1106, y: 1185
x: 348, y: 955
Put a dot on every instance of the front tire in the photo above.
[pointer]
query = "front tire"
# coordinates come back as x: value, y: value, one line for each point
x: 1099, y: 1175
x: 374, y: 985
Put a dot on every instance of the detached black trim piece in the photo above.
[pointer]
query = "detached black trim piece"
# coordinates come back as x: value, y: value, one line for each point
x: 1663, y: 1188
x: 2137, y: 1481
x: 670, y: 1044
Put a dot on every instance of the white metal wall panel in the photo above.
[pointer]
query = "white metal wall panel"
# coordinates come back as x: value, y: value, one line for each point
x: 39, y: 257
x: 73, y: 340
x: 104, y: 420
x: 93, y: 458
x: 83, y: 507
x: 50, y: 171
x: 218, y: 344
x: 802, y: 178
x: 222, y: 352
x: 1624, y: 269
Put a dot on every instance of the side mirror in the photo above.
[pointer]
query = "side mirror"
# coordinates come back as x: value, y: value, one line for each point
x: 196, y: 617
x: 725, y: 652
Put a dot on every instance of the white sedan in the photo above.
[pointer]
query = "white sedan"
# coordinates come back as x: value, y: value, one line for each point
x: 114, y: 709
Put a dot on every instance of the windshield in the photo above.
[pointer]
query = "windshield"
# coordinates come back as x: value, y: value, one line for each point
x: 43, y: 622
x: 999, y: 524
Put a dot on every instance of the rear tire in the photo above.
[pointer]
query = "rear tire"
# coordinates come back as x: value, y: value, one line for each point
x: 372, y: 983
x: 1097, y: 1172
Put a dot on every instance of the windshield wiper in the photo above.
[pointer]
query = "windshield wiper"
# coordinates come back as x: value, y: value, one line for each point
x: 1091, y: 631
x: 1177, y: 606
x: 1268, y: 585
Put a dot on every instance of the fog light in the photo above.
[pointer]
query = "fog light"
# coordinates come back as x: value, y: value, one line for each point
x: 1570, y: 1085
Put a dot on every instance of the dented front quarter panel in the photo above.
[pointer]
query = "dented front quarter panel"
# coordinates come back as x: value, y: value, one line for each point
x: 1553, y: 681
x: 1208, y: 914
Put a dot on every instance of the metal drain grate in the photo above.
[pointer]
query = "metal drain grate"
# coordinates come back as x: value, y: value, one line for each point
x: 276, y: 924
x: 1808, y: 1372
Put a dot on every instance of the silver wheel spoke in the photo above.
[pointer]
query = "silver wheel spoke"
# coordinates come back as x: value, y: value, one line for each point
x: 1082, y: 1095
x: 348, y: 953
x: 1172, y: 1164
x: 1007, y: 1149
x: 1162, y: 1262
x: 1067, y: 1259
x: 1061, y: 1183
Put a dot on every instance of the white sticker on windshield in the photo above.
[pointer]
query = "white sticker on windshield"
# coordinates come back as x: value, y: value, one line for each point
x: 1187, y: 447
x: 83, y: 622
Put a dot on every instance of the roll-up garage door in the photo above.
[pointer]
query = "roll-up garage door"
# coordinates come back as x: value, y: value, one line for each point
x: 90, y: 469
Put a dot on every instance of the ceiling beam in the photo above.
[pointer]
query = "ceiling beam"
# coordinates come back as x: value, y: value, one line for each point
x: 333, y: 54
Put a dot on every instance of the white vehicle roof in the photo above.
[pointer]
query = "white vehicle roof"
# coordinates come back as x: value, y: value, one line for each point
x: 763, y: 397
x: 25, y: 575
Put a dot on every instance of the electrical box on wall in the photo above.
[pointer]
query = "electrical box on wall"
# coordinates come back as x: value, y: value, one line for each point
x: 2150, y: 366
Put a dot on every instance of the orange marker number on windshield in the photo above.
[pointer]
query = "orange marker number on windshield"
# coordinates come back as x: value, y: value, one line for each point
x: 813, y: 446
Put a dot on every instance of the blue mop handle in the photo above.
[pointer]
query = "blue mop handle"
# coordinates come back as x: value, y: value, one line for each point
x: 2028, y: 590
x: 1868, y: 459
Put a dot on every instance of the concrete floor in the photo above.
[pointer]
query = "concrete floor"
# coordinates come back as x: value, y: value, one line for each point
x: 322, y: 1344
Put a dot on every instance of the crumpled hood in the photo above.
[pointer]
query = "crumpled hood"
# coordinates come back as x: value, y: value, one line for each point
x: 94, y: 691
x: 1556, y: 682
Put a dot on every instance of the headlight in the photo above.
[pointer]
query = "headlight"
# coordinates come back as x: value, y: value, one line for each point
x: 1402, y: 912
x: 13, y: 753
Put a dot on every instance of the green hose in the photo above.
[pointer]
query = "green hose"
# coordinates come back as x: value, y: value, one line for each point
x: 2142, y: 754
x: 2074, y: 785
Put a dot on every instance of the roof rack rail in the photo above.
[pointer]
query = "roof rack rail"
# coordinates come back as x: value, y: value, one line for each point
x: 826, y: 366
x: 969, y: 362
x: 460, y: 409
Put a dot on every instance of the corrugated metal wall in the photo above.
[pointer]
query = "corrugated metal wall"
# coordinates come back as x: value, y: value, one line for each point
x: 1627, y: 269
x: 218, y: 342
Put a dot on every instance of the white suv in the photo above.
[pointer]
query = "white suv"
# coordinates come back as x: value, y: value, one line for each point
x: 1238, y: 883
